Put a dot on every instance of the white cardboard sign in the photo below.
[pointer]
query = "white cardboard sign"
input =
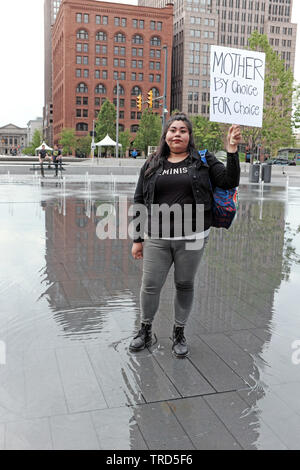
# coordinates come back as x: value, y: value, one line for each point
x: 237, y: 86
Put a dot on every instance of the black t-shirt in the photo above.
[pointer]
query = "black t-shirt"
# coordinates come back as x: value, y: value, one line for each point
x: 56, y: 154
x: 173, y: 186
x: 43, y: 153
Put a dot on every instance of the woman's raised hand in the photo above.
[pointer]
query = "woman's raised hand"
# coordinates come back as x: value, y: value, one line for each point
x: 234, y: 137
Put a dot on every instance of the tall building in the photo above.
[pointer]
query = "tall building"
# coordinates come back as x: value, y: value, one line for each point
x: 96, y: 43
x: 32, y: 126
x: 51, y: 8
x: 198, y: 24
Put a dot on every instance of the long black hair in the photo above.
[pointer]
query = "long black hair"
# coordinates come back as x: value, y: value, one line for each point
x: 163, y: 150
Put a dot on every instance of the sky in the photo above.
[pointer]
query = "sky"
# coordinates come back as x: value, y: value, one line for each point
x: 22, y: 59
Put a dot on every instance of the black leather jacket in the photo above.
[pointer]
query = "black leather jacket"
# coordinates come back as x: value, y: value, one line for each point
x: 204, y: 177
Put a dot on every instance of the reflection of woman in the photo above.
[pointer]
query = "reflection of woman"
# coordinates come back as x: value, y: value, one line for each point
x: 176, y: 174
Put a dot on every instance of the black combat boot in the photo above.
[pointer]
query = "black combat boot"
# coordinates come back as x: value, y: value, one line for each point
x: 143, y: 339
x: 180, y: 347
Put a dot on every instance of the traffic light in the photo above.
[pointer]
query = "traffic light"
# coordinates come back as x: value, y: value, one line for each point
x: 139, y: 102
x: 150, y: 98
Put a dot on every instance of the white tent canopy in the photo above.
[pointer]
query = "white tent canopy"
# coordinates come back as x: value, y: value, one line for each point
x: 46, y: 147
x: 106, y: 142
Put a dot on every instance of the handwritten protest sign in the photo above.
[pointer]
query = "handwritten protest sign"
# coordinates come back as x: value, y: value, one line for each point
x: 237, y: 86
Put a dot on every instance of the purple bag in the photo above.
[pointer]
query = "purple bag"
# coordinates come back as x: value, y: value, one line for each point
x: 225, y: 203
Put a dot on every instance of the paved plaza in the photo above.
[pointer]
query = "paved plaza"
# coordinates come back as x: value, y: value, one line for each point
x: 69, y: 304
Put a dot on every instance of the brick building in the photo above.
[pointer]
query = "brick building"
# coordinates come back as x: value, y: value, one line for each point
x: 94, y: 44
x: 51, y: 8
x: 198, y: 24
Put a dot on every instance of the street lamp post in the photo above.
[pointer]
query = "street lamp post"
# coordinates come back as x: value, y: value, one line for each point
x: 165, y: 88
x: 117, y: 122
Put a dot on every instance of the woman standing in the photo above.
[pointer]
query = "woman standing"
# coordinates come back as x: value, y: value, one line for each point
x: 177, y: 175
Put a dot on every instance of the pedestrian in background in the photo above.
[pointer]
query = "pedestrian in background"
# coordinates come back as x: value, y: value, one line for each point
x: 57, y: 159
x: 43, y: 155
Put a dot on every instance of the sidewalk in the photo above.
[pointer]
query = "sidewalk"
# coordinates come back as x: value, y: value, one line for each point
x: 70, y: 304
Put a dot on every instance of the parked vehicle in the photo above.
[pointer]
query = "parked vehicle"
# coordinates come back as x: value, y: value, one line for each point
x: 281, y: 161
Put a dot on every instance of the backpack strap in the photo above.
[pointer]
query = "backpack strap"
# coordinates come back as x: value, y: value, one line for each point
x: 202, y: 154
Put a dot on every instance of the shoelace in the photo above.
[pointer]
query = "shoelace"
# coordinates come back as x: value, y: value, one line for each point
x: 179, y: 334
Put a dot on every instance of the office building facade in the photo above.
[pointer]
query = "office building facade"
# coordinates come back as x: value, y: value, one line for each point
x: 198, y: 24
x: 51, y: 8
x: 97, y: 43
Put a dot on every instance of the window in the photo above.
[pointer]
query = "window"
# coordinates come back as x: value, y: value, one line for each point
x: 134, y: 51
x: 155, y: 41
x: 78, y: 112
x: 157, y: 65
x: 133, y: 64
x: 121, y: 90
x: 82, y: 126
x: 100, y: 89
x: 136, y: 90
x: 121, y: 114
x: 85, y: 113
x: 134, y: 23
x: 123, y: 22
x: 105, y: 20
x: 132, y: 114
x: 97, y: 101
x: 140, y: 64
x: 78, y: 100
x: 97, y: 73
x: 140, y: 77
x: 133, y: 103
x: 141, y: 24
x: 120, y: 37
x: 159, y: 26
x: 86, y: 73
x: 116, y: 21
x: 101, y: 36
x: 78, y: 18
x: 137, y: 39
x: 104, y: 74
x: 78, y: 73
x: 151, y: 77
x: 85, y: 101
x: 82, y: 88
x: 134, y: 128
x: 121, y: 102
x: 152, y: 25
x: 79, y: 47
x: 133, y: 76
x: 85, y: 18
x: 98, y: 19
x: 82, y: 34
x: 158, y: 78
x: 85, y: 60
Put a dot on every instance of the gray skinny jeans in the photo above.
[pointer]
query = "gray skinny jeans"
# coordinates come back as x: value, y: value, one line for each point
x: 158, y: 257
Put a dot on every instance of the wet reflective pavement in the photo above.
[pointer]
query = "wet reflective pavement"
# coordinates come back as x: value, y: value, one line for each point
x: 69, y: 304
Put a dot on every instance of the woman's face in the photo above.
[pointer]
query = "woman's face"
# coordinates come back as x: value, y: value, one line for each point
x: 178, y: 137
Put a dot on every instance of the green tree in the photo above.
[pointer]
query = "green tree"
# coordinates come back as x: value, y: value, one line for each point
x: 207, y: 134
x: 296, y: 108
x: 35, y: 143
x: 149, y: 131
x: 83, y: 145
x: 124, y: 140
x: 67, y: 140
x: 106, y: 122
x: 276, y: 130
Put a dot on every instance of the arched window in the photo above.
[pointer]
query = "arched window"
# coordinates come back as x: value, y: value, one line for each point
x: 136, y: 90
x: 137, y: 39
x: 82, y: 126
x: 120, y: 37
x: 100, y: 89
x: 155, y: 41
x: 101, y: 36
x: 121, y: 90
x: 82, y: 88
x: 134, y: 128
x: 155, y: 94
x: 82, y: 34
